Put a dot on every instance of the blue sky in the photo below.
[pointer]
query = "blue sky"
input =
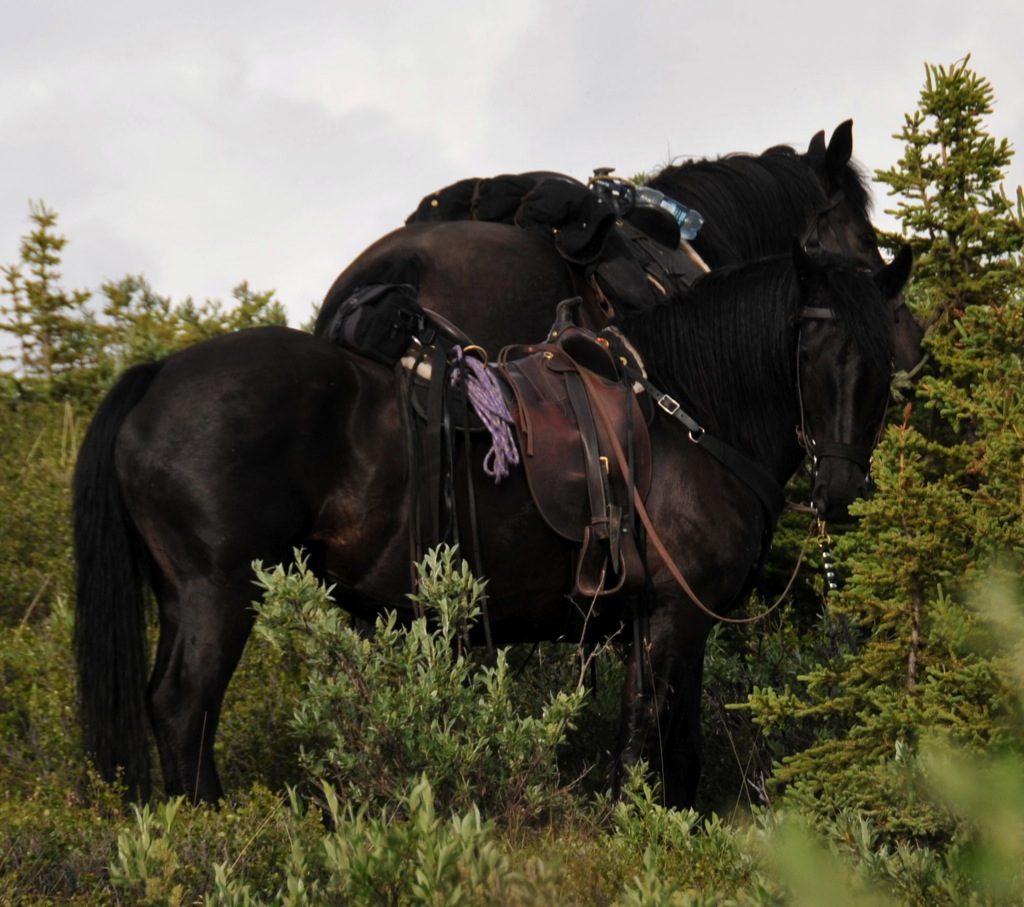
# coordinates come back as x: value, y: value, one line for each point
x: 202, y: 144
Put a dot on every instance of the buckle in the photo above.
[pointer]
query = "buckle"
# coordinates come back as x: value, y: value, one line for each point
x: 668, y: 404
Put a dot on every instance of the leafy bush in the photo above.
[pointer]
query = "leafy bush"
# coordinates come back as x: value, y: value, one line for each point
x: 39, y: 740
x: 37, y: 453
x: 376, y: 714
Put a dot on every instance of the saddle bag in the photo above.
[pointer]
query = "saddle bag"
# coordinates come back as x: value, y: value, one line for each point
x: 379, y: 321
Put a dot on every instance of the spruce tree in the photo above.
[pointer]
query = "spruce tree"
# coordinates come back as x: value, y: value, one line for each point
x: 948, y: 507
x: 966, y: 233
x: 52, y: 326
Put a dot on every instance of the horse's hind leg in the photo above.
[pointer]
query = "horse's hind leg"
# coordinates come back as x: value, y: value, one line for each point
x: 203, y: 628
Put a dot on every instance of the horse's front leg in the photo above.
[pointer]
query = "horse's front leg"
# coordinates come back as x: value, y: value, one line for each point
x: 661, y: 709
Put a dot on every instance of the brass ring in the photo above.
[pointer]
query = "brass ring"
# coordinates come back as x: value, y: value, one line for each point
x: 479, y: 350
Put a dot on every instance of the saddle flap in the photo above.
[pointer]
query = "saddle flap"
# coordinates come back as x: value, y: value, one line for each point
x: 553, y: 454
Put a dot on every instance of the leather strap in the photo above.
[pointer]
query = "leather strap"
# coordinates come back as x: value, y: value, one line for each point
x: 855, y: 453
x: 771, y: 493
x: 596, y: 483
x: 655, y: 539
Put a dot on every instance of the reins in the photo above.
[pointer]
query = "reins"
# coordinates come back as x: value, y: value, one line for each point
x: 655, y: 538
x: 770, y: 493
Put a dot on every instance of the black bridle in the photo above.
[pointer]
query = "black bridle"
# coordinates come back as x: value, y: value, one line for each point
x: 858, y: 454
x: 810, y: 241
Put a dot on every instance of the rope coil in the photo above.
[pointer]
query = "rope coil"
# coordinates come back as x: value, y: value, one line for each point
x: 486, y: 398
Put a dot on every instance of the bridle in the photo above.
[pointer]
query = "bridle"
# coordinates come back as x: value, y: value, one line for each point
x: 763, y: 485
x: 858, y: 454
x: 811, y: 241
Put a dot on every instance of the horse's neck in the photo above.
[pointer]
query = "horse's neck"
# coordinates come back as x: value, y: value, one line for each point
x: 757, y: 417
x: 740, y: 225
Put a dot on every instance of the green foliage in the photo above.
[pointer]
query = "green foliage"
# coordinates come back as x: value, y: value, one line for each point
x: 255, y: 742
x: 967, y: 236
x: 38, y: 725
x: 37, y: 450
x: 141, y: 325
x: 67, y: 350
x: 377, y: 713
x: 50, y: 324
x: 905, y: 661
x: 945, y: 512
x: 56, y: 843
x: 59, y: 841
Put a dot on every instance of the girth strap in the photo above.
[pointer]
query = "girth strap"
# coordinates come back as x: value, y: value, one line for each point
x: 436, y: 434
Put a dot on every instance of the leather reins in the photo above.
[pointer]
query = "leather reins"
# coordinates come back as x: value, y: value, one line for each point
x: 699, y: 436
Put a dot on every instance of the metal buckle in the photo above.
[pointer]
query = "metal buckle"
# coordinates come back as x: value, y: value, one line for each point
x: 668, y: 404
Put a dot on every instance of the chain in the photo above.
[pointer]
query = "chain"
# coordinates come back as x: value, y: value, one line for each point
x: 828, y: 562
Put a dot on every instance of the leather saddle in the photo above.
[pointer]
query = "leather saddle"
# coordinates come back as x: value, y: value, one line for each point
x: 574, y: 477
x: 553, y: 389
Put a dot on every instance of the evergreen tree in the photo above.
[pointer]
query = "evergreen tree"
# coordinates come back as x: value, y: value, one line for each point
x: 52, y: 326
x: 66, y: 349
x: 948, y: 507
x: 967, y: 235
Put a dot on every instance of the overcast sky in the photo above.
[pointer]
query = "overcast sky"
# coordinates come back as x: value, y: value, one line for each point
x: 205, y: 142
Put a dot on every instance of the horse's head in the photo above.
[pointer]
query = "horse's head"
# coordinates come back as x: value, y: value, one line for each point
x: 843, y: 225
x: 844, y: 352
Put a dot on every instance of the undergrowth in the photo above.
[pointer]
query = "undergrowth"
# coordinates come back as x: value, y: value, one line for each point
x: 421, y: 774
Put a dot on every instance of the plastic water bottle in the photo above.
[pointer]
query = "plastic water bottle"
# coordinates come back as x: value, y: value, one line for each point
x: 689, y: 219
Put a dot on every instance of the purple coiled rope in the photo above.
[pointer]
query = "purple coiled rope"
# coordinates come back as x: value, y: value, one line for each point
x: 486, y: 399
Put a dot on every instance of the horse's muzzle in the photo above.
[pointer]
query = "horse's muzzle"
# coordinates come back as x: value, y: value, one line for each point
x: 837, y: 484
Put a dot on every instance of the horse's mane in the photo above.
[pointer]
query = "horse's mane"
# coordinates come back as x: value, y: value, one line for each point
x: 751, y: 202
x: 727, y: 350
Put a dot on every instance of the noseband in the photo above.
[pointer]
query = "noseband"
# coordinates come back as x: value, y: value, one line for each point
x: 857, y: 454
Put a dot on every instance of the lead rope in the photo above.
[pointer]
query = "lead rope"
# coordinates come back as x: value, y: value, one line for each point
x: 484, y: 395
x: 659, y: 546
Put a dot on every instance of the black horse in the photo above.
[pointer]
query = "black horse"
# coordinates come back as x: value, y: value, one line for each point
x: 500, y: 284
x: 244, y: 446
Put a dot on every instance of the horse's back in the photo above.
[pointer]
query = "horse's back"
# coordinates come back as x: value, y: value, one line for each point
x: 496, y: 282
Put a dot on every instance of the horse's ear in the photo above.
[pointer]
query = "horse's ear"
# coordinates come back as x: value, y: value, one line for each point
x: 892, y: 278
x: 816, y: 151
x: 839, y: 151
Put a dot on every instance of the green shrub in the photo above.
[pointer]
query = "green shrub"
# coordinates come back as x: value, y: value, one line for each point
x: 37, y: 453
x: 376, y: 714
x: 255, y: 742
x: 56, y: 841
x: 39, y: 736
x: 173, y: 853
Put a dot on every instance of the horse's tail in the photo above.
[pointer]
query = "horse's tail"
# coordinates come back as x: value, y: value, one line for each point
x: 110, y: 644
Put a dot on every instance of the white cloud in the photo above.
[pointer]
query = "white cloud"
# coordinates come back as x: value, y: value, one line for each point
x: 202, y: 144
